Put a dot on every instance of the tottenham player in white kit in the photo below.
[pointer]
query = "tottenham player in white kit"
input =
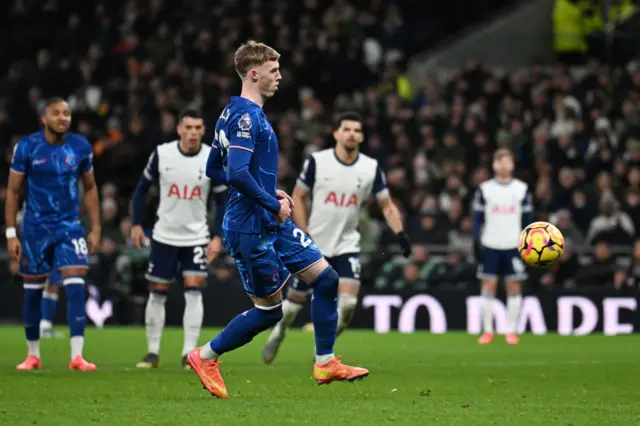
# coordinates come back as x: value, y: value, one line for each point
x: 337, y: 182
x: 502, y: 208
x: 181, y: 240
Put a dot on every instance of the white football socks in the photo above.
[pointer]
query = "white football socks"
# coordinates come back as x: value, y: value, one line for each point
x: 346, y: 308
x: 77, y: 345
x: 514, y: 304
x: 290, y: 311
x: 207, y: 353
x: 154, y: 321
x: 192, y: 319
x: 34, y: 347
x: 487, y: 311
x: 324, y: 359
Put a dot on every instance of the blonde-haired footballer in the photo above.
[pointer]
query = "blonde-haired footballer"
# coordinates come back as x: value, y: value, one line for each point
x: 502, y: 207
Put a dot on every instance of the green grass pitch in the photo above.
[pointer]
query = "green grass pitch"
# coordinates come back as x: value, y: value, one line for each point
x: 416, y: 379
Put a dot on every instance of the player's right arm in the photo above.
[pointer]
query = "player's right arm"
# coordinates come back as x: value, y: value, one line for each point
x: 478, y: 221
x: 139, y: 204
x: 301, y: 193
x: 241, y: 147
x: 17, y: 174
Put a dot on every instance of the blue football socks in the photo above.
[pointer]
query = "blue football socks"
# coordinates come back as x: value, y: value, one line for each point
x: 31, y: 310
x: 242, y: 329
x: 324, y: 310
x: 76, y: 315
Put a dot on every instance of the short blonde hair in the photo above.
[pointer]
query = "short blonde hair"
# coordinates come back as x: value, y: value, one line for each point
x: 501, y: 153
x: 253, y: 54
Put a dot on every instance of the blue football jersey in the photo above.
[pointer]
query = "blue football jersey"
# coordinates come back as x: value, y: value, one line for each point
x: 51, y: 177
x: 244, y: 126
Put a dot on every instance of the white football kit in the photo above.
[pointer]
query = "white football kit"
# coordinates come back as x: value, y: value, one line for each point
x: 181, y: 232
x: 501, y: 208
x: 338, y: 191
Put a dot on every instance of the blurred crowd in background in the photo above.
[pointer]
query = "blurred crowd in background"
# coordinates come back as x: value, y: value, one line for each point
x: 128, y: 67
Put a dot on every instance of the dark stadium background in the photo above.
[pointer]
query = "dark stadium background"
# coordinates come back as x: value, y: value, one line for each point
x: 128, y: 68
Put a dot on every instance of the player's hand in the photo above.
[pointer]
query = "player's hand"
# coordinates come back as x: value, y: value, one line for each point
x: 285, y: 209
x: 93, y: 241
x: 138, y: 238
x: 477, y: 251
x: 15, y: 248
x: 405, y: 244
x: 280, y: 194
x: 214, y: 249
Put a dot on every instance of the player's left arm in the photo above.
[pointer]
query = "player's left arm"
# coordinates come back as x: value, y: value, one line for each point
x: 390, y: 211
x: 91, y: 202
x: 241, y: 146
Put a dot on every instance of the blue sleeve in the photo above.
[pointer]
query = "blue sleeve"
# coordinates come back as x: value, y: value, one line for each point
x: 478, y: 214
x: 308, y: 174
x: 527, y: 209
x: 241, y: 146
x: 139, y: 202
x: 86, y: 161
x: 220, y: 195
x: 20, y: 157
x: 215, y: 168
x: 380, y: 182
x: 151, y: 170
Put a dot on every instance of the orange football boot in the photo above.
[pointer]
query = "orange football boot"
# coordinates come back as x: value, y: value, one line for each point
x: 78, y: 363
x: 512, y: 339
x: 335, y: 370
x: 31, y: 363
x: 209, y: 374
x: 486, y: 338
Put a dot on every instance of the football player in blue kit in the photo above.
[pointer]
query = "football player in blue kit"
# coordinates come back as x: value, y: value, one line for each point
x: 48, y: 164
x: 257, y: 231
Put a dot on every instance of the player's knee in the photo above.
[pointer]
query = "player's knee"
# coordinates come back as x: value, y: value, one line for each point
x: 513, y: 287
x: 296, y: 296
x: 312, y: 272
x: 73, y: 272
x: 159, y: 287
x: 194, y: 282
x: 327, y: 281
x: 489, y: 286
x: 349, y: 286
